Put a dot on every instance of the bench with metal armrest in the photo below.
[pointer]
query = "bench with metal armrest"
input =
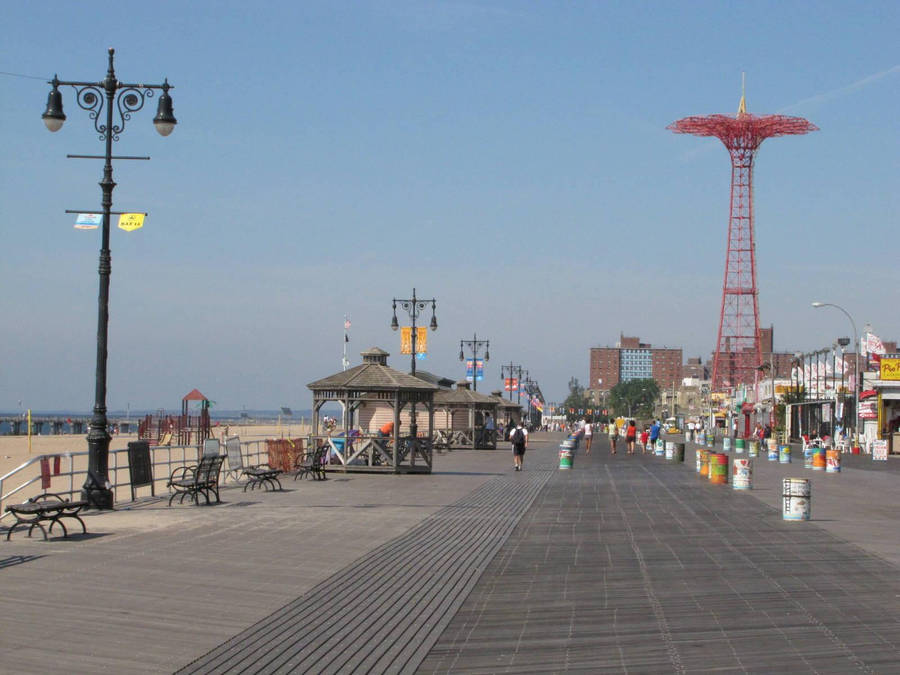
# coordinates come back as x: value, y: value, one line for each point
x: 46, y: 507
x: 193, y: 481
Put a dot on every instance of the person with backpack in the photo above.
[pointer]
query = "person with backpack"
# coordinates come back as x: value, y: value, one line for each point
x: 518, y: 437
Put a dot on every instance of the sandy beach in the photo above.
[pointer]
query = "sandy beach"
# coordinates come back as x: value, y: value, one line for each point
x: 14, y: 449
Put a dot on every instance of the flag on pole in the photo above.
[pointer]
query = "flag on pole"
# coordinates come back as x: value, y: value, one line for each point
x: 88, y: 221
x: 131, y: 221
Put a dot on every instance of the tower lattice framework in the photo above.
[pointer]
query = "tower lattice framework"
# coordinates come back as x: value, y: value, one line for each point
x: 737, y: 355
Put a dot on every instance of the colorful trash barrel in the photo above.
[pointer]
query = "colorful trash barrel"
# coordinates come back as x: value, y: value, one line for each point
x: 679, y: 453
x: 818, y: 459
x: 742, y: 474
x: 796, y: 498
x: 710, y: 440
x: 808, y: 457
x: 565, y: 457
x: 718, y: 468
x: 660, y: 449
x: 739, y: 445
x: 784, y: 454
x: 726, y: 444
x: 772, y: 450
x: 832, y: 461
x: 753, y: 448
x: 670, y: 450
x: 703, y: 462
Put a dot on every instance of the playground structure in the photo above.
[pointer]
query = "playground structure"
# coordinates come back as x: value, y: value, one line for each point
x: 184, y: 429
x: 737, y: 355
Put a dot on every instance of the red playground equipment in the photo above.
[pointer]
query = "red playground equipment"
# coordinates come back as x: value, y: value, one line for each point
x: 162, y: 429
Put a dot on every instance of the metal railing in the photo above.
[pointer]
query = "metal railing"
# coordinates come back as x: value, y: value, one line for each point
x: 18, y: 485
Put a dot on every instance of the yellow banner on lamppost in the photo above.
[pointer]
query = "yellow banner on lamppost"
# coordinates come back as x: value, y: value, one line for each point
x: 406, y: 339
x: 131, y: 221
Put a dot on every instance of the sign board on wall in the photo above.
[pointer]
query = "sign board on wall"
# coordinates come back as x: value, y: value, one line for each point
x: 880, y: 450
x: 890, y: 367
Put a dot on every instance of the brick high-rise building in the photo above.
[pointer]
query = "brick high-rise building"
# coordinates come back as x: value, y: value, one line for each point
x: 632, y: 359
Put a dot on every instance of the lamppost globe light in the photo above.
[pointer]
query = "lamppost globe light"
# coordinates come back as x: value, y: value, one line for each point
x: 818, y: 304
x: 394, y: 324
x: 433, y: 322
x: 487, y: 355
x: 165, y: 116
x: 53, y: 115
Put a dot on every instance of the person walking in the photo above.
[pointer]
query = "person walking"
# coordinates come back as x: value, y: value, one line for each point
x: 613, y: 431
x: 588, y: 436
x: 630, y: 436
x: 518, y: 437
x: 654, y: 433
x: 645, y: 436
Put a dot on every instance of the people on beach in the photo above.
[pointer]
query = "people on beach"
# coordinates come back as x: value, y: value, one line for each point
x: 588, y: 436
x: 518, y: 438
x: 613, y: 431
x: 630, y: 436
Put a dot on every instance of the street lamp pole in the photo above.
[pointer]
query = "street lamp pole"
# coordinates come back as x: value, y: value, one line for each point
x: 125, y: 99
x: 414, y: 307
x: 858, y: 374
x: 475, y: 345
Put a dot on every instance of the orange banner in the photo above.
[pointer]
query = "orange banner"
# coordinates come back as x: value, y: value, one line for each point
x: 406, y: 339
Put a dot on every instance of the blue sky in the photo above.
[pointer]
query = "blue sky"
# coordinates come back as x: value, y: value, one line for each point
x: 508, y: 158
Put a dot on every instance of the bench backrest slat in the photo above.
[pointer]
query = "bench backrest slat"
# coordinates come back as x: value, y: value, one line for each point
x: 233, y: 450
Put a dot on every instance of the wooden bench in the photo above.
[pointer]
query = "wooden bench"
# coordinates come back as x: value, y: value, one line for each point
x: 193, y: 481
x: 46, y: 507
x: 313, y: 464
x: 261, y: 475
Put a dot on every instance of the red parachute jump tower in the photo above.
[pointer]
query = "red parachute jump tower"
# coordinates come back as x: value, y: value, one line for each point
x: 737, y: 354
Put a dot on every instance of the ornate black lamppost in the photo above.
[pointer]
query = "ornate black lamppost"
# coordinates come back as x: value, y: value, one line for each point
x: 512, y: 371
x: 414, y: 307
x: 121, y: 99
x: 475, y: 345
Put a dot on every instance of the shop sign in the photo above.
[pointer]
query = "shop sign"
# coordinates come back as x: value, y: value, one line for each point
x: 868, y: 410
x: 880, y: 450
x: 890, y: 367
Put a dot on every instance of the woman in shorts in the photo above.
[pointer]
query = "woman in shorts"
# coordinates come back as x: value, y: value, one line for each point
x: 630, y: 436
x: 613, y: 436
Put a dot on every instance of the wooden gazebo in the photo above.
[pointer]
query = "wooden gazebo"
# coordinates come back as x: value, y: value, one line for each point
x: 460, y: 416
x: 374, y: 394
x: 507, y: 411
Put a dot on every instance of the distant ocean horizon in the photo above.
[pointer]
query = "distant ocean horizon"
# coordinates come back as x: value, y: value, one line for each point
x: 136, y: 414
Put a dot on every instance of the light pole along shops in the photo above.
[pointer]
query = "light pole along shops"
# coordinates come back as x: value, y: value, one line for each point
x: 475, y: 345
x: 414, y: 307
x: 110, y: 104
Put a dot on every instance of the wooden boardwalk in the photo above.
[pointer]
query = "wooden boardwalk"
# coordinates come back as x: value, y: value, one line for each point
x: 623, y: 564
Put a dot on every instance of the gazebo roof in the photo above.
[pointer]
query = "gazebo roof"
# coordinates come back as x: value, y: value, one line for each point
x: 372, y: 375
x: 439, y: 380
x: 462, y: 395
x: 504, y: 403
x: 194, y: 395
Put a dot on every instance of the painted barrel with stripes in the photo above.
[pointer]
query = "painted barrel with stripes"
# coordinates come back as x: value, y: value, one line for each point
x: 796, y: 498
x: 772, y: 450
x: 753, y: 449
x: 808, y: 457
x: 659, y: 450
x: 833, y: 461
x: 670, y: 450
x: 784, y: 454
x: 739, y: 446
x: 565, y: 456
x: 742, y: 474
x: 718, y: 468
x: 818, y: 459
x: 726, y: 444
x: 702, y: 462
x: 710, y: 440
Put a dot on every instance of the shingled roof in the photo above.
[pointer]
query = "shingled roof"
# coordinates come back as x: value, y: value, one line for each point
x: 372, y: 375
x: 462, y: 395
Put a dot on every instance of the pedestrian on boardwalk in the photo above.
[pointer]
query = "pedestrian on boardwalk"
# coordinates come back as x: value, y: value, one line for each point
x: 654, y: 433
x: 518, y: 437
x: 613, y: 436
x: 588, y: 436
x: 645, y: 436
x: 630, y: 436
